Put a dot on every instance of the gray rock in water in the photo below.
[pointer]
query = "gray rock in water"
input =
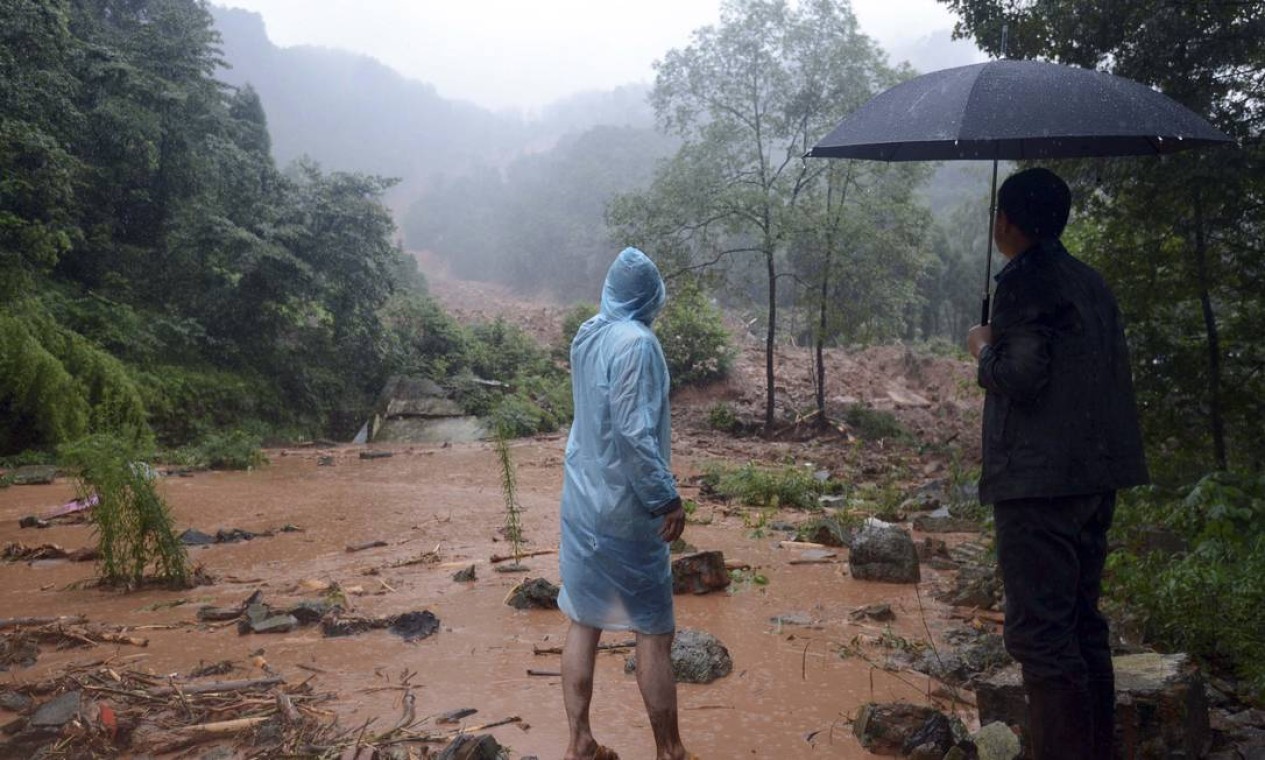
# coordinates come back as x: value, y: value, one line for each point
x: 309, y: 611
x: 465, y: 575
x: 885, y: 729
x: 415, y: 626
x: 534, y: 593
x: 996, y: 741
x: 195, y: 537
x: 58, y: 712
x: 15, y: 701
x: 468, y: 747
x: 976, y: 656
x: 879, y: 612
x: 275, y: 624
x: 886, y: 554
x: 697, y: 657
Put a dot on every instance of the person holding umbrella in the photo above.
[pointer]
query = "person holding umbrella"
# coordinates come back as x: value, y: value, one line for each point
x: 1060, y: 437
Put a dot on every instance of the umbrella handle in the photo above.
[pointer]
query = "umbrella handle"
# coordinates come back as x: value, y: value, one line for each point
x: 984, y: 310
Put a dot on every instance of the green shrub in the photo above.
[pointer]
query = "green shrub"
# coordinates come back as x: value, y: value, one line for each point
x: 790, y: 487
x: 224, y: 450
x: 694, y: 339
x: 721, y: 416
x: 873, y: 424
x: 571, y: 321
x: 1210, y: 599
x: 134, y: 529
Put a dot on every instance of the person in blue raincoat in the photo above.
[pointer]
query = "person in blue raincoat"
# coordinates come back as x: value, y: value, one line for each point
x: 620, y: 508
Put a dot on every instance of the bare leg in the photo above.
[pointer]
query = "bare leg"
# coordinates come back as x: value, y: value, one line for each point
x: 578, y: 656
x: 658, y: 691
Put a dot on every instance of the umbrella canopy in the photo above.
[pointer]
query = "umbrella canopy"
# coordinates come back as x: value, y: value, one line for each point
x: 1016, y: 110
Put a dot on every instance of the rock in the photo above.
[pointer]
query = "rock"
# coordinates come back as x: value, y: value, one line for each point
x: 275, y: 624
x: 415, y: 626
x: 884, y: 729
x: 995, y: 741
x: 33, y: 475
x: 209, y: 614
x: 885, y: 554
x: 699, y: 573
x: 324, y: 461
x: 978, y: 655
x: 58, y: 712
x: 31, y: 521
x: 1161, y: 709
x: 15, y: 701
x: 681, y: 546
x: 827, y: 531
x: 697, y: 657
x: 194, y: 537
x: 465, y: 575
x: 468, y: 747
x: 932, y: 548
x: 974, y: 587
x: 309, y: 611
x: 879, y: 612
x: 219, y: 753
x: 233, y: 535
x: 923, y: 501
x: 534, y: 593
x: 945, y: 524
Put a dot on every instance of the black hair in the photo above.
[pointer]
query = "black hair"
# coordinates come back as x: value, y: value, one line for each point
x: 1037, y: 201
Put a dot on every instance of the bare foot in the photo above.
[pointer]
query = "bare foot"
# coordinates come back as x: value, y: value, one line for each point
x: 582, y: 749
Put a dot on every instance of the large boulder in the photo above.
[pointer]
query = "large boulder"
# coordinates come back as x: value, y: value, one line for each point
x: 1161, y: 707
x: 699, y: 573
x: 697, y: 657
x: 884, y: 553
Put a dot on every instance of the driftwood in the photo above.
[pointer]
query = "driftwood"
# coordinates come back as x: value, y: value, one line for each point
x: 497, y: 558
x: 365, y: 545
x: 187, y: 736
x: 29, y: 621
x: 216, y: 686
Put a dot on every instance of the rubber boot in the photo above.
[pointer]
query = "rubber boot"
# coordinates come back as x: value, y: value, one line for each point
x: 1102, y: 705
x: 1059, y: 723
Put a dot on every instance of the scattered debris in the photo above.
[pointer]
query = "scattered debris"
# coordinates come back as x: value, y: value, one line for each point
x: 456, y: 716
x: 879, y: 612
x: 195, y: 537
x: 534, y: 593
x: 19, y: 552
x: 411, y: 626
x: 697, y: 657
x: 75, y: 510
x: 365, y: 545
x: 699, y: 573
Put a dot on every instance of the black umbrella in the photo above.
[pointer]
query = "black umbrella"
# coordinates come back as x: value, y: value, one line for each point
x: 1011, y: 111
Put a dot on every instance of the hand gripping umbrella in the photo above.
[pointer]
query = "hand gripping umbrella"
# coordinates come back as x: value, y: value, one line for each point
x: 1013, y: 111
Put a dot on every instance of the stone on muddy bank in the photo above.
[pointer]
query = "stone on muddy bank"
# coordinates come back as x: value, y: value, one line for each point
x: 879, y: 612
x: 534, y: 593
x: 974, y: 587
x: 195, y: 537
x: 1161, y: 708
x: 972, y: 655
x: 58, y: 712
x: 415, y: 626
x: 470, y: 747
x: 886, y: 728
x: 309, y: 611
x: 275, y: 624
x: 699, y: 573
x: 886, y: 554
x: 15, y: 701
x: 828, y: 530
x: 697, y: 657
x: 465, y: 575
x: 996, y: 741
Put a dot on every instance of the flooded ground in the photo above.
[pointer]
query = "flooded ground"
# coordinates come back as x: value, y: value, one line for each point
x: 790, y: 694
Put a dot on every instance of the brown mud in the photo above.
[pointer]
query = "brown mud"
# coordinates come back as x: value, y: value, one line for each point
x: 792, y: 690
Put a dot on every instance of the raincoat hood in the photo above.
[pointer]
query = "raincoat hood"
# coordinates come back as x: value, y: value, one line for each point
x: 633, y: 289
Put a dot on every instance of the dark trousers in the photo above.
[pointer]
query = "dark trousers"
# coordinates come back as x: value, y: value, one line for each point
x: 1051, y: 553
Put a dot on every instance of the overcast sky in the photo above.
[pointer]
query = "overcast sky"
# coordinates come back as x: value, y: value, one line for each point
x: 522, y: 54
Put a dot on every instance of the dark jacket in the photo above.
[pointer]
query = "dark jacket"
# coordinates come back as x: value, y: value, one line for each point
x: 1059, y: 418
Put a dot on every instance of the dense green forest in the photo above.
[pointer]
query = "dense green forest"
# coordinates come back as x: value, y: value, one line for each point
x: 160, y: 277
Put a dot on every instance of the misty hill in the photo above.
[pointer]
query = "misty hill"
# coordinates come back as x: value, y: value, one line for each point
x: 351, y: 112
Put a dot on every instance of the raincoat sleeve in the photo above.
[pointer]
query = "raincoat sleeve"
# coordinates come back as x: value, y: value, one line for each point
x: 638, y: 398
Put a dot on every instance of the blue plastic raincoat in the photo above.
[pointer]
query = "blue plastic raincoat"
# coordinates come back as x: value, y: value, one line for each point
x: 616, y: 573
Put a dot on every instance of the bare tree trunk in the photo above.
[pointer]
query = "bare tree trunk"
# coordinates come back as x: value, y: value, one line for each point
x: 1215, y: 414
x: 769, y: 339
x: 821, y: 342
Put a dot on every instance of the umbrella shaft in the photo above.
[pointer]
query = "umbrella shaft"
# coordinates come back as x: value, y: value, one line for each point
x: 988, y: 260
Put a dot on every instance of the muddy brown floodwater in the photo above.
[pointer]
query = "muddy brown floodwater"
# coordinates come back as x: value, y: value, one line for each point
x: 790, y: 694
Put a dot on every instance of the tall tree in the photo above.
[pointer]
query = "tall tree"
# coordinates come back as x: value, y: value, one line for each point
x: 749, y: 97
x: 1183, y: 239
